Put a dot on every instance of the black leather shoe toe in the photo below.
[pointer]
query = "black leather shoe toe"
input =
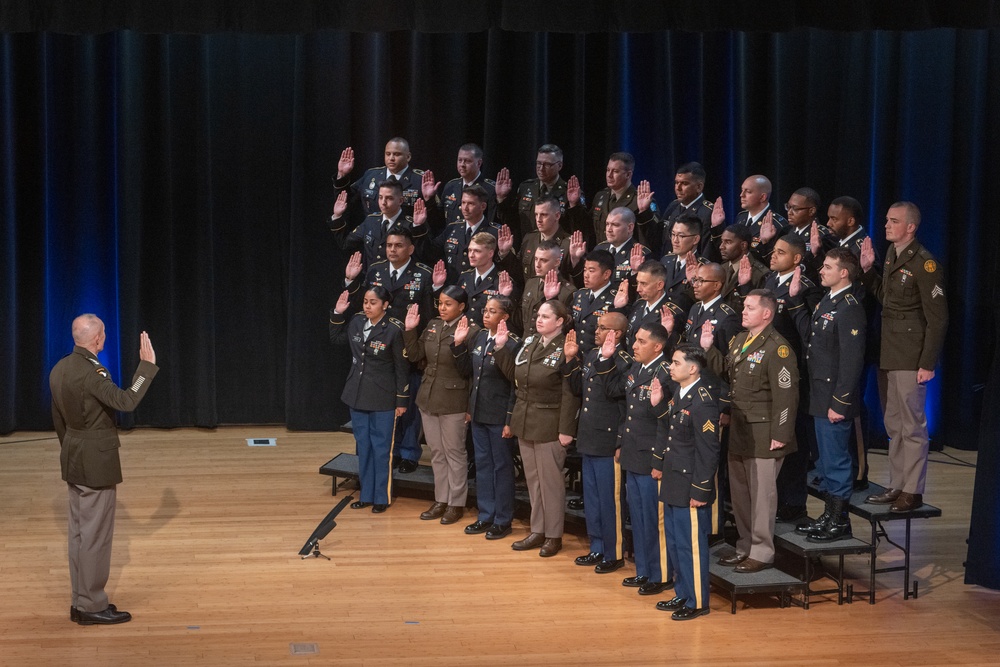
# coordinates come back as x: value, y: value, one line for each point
x: 593, y: 558
x: 671, y: 605
x: 358, y: 505
x: 107, y: 617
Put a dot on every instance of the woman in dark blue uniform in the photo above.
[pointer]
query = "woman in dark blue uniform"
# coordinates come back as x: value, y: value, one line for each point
x: 376, y: 389
x: 490, y: 406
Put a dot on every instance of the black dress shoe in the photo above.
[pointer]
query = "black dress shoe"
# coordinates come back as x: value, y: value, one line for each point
x: 378, y: 508
x: 655, y: 587
x: 687, y: 613
x: 593, y: 558
x: 477, y: 528
x: 107, y: 617
x: 498, y: 531
x: 407, y: 466
x: 435, y: 511
x: 735, y: 559
x: 74, y: 613
x: 634, y: 582
x: 359, y: 505
x: 671, y: 605
x: 609, y: 566
x: 575, y: 504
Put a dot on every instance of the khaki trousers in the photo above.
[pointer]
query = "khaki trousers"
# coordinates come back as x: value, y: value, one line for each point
x: 906, y: 424
x: 543, y: 470
x: 91, y: 529
x: 446, y: 438
x: 754, y: 494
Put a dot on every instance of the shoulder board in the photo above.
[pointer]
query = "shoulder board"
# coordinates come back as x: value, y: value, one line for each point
x: 674, y: 307
x: 419, y: 172
x: 457, y: 223
x: 512, y: 337
x: 806, y: 281
x: 705, y: 395
x: 625, y: 356
x: 665, y: 365
x: 454, y: 180
x: 490, y: 181
x: 378, y: 263
x: 423, y: 266
x: 849, y: 298
x: 708, y: 204
x: 393, y: 320
x: 408, y: 218
x: 925, y: 253
x: 726, y: 308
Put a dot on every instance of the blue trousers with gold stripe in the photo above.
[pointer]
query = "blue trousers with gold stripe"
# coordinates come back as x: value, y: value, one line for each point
x: 687, y: 530
x: 648, y: 539
x: 602, y: 479
x: 373, y: 432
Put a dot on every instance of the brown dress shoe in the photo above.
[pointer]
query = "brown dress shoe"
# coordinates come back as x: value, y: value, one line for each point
x: 907, y: 502
x: 550, y: 547
x: 532, y: 541
x: 884, y: 498
x: 735, y: 559
x: 750, y: 565
x: 453, y: 514
x: 434, y: 512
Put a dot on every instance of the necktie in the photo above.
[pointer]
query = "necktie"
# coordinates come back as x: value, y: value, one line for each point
x: 385, y: 226
x: 367, y: 331
x: 392, y: 178
x: 468, y: 234
x: 479, y: 282
x: 395, y: 276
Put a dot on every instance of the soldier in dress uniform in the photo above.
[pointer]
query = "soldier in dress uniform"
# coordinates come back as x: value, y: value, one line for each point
x: 684, y: 239
x: 596, y: 441
x: 376, y: 389
x: 470, y: 165
x: 914, y: 321
x: 452, y: 244
x: 544, y: 421
x: 518, y: 211
x: 685, y: 462
x: 491, y: 403
x: 762, y: 373
x: 363, y: 193
x: 84, y: 401
x: 595, y: 299
x: 802, y: 208
x: 547, y: 215
x: 548, y: 283
x: 835, y: 358
x: 712, y: 309
x: 619, y: 193
x: 650, y: 279
x: 755, y: 200
x: 369, y: 237
x: 484, y: 279
x: 620, y: 241
x: 734, y: 247
x: 689, y: 187
x: 636, y: 441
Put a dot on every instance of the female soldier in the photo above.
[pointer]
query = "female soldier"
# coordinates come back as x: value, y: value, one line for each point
x: 543, y: 419
x: 376, y: 389
x: 443, y: 398
x: 489, y: 415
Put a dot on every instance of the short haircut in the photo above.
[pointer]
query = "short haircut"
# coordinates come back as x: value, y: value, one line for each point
x: 624, y: 158
x: 690, y: 222
x: 617, y: 321
x: 767, y: 299
x: 657, y: 333
x: 476, y: 151
x: 796, y: 241
x: 654, y: 268
x: 456, y: 293
x: 693, y: 355
x: 400, y: 230
x: 628, y: 217
x: 392, y: 185
x: 553, y: 150
x: 850, y: 205
x: 550, y: 201
x: 718, y: 273
x: 603, y: 258
x: 485, y: 239
x: 477, y: 191
x: 912, y: 211
x: 381, y: 293
x: 741, y: 232
x: 810, y: 196
x: 846, y: 260
x: 693, y: 168
x: 505, y: 303
x: 400, y: 140
x: 548, y: 244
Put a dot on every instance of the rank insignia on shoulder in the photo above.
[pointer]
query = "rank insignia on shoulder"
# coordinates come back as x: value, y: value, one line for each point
x: 704, y: 394
x: 930, y: 266
x: 103, y: 373
x: 783, y: 351
x: 709, y: 427
x: 784, y: 378
x: 419, y: 172
x: 854, y: 332
x: 708, y: 204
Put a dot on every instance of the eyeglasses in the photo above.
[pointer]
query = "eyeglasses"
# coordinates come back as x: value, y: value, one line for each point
x: 699, y: 281
x: 795, y: 209
x: 601, y: 327
x: 546, y: 165
x: 675, y: 235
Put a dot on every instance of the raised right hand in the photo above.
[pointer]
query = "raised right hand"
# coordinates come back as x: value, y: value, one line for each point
x: 412, y: 317
x: 867, y: 254
x: 718, y: 213
x: 340, y: 206
x: 353, y: 268
x: 343, y: 303
x: 570, y: 346
x: 503, y: 185
x: 346, y: 163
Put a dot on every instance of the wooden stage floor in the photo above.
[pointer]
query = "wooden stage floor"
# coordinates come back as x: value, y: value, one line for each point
x: 205, y: 558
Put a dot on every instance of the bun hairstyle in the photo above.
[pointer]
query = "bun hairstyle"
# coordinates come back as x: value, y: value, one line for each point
x: 456, y: 293
x: 381, y: 293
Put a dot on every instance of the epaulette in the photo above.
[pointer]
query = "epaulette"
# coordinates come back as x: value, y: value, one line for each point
x: 625, y: 356
x: 426, y: 268
x: 849, y: 298
x: 393, y: 320
x: 705, y: 395
x: 726, y: 308
x: 513, y: 337
x: 490, y: 181
x: 418, y: 172
x: 708, y: 204
x: 674, y: 307
x: 457, y: 222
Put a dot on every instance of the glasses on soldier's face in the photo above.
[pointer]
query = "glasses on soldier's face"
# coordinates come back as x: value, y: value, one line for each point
x: 699, y: 281
x: 790, y: 208
x: 545, y: 165
x: 677, y: 235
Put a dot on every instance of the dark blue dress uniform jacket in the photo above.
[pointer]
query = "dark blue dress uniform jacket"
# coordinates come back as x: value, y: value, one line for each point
x: 835, y: 356
x: 378, y: 379
x: 603, y: 405
x: 688, y: 447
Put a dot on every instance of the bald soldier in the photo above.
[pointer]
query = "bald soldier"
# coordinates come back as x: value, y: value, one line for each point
x: 364, y: 191
x: 84, y: 401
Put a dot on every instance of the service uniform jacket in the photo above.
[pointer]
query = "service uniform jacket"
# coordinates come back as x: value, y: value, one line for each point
x: 369, y: 237
x: 873, y: 311
x: 637, y: 433
x: 603, y: 406
x: 592, y: 222
x: 518, y: 211
x: 413, y: 285
x: 84, y: 401
x: 708, y: 246
x: 764, y: 393
x: 587, y: 310
x: 792, y: 318
x: 639, y: 317
x: 378, y: 380
x: 835, y: 356
x: 732, y: 291
x: 527, y: 254
x: 491, y: 400
x: 677, y: 287
x: 811, y: 263
x: 534, y: 296
x: 365, y: 189
x: 726, y: 323
x: 914, y: 308
x: 759, y: 249
x: 452, y: 246
x: 687, y: 451
x: 545, y: 405
x: 623, y: 265
x: 488, y: 288
x: 451, y: 197
x: 445, y: 387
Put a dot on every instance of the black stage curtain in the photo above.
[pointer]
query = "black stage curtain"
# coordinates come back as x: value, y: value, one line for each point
x: 574, y: 16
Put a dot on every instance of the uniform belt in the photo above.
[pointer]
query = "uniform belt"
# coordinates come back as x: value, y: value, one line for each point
x: 91, y: 434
